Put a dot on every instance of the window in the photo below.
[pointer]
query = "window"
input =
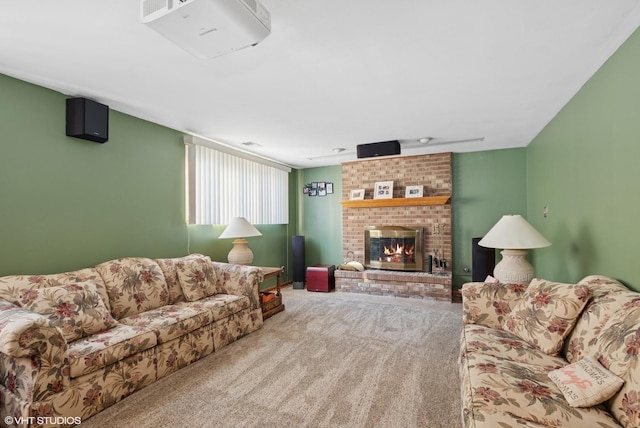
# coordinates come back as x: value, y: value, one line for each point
x: 223, y: 183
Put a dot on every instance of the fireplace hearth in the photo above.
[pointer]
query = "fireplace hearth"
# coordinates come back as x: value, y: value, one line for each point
x: 393, y: 248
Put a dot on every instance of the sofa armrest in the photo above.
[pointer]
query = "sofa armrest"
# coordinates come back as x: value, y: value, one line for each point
x: 25, y: 333
x: 240, y: 280
x: 33, y: 362
x: 488, y: 303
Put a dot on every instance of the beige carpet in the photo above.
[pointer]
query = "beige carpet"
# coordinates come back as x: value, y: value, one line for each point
x: 328, y: 360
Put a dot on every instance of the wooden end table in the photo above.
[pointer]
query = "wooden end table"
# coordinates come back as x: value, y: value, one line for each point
x: 274, y: 304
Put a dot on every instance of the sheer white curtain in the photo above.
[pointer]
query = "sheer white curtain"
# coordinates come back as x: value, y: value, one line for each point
x: 222, y: 184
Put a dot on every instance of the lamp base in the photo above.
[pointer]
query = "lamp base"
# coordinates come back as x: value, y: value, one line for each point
x: 514, y: 268
x: 240, y: 253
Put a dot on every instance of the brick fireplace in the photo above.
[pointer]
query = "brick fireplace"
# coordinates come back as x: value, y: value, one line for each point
x: 432, y: 171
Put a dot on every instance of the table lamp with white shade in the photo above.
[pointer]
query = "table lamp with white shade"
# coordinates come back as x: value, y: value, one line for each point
x: 239, y: 228
x: 514, y: 235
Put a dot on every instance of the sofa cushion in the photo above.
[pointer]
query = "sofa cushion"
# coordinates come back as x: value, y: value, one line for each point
x: 99, y: 350
x: 197, y: 279
x: 169, y: 269
x: 488, y: 303
x: 607, y: 296
x: 488, y: 418
x: 220, y: 306
x: 76, y: 309
x: 586, y: 383
x: 547, y: 313
x: 13, y: 285
x: 134, y: 285
x: 169, y: 322
x: 478, y: 339
x: 525, y: 392
x: 618, y: 349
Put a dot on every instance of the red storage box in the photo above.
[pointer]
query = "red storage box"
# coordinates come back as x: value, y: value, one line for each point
x: 320, y: 278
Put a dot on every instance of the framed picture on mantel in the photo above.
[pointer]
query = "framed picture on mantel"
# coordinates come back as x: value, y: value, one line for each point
x: 383, y: 190
x: 413, y: 191
x: 356, y: 194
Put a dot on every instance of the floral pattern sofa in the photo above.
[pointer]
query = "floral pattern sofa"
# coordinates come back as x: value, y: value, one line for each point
x: 74, y: 343
x: 517, y: 339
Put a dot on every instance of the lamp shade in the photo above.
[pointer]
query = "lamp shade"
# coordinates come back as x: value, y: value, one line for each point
x: 239, y: 228
x: 513, y: 232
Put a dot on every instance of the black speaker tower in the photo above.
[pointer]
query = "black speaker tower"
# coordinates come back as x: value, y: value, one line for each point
x: 297, y: 244
x: 483, y: 261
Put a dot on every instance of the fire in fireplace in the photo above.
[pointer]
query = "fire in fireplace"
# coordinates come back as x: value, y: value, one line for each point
x: 393, y: 248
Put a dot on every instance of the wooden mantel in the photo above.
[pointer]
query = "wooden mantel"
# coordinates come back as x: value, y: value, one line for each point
x: 396, y: 202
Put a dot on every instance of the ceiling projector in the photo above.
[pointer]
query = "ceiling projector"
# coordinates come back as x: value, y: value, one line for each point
x: 208, y: 28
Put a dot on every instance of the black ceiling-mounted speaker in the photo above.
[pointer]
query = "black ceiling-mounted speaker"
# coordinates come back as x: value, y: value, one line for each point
x: 384, y: 148
x: 87, y: 120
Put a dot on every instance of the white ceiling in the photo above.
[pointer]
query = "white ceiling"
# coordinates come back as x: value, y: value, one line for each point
x: 333, y: 73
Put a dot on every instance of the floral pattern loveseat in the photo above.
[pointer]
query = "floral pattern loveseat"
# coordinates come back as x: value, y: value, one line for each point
x: 74, y: 343
x: 517, y: 339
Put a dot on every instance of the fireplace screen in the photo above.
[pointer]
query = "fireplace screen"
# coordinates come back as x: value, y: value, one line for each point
x: 393, y: 248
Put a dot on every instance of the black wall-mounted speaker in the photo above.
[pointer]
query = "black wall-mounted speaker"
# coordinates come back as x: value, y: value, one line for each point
x: 483, y: 260
x: 297, y: 244
x: 87, y: 120
x: 384, y: 148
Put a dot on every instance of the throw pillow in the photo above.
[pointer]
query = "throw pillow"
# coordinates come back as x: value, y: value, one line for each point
x: 169, y: 269
x: 586, y: 383
x: 547, y: 313
x: 76, y: 309
x: 197, y: 279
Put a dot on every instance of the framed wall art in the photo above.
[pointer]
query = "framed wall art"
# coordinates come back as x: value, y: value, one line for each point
x: 322, y: 188
x: 383, y: 190
x: 317, y: 188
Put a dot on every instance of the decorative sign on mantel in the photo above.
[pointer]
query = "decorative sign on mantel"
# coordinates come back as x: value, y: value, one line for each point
x: 318, y: 188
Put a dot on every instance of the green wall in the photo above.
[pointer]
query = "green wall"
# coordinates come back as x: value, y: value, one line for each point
x: 69, y: 203
x: 320, y: 217
x: 486, y: 185
x: 584, y: 167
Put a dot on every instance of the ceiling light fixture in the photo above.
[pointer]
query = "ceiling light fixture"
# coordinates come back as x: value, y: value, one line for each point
x: 339, y: 150
x: 425, y: 140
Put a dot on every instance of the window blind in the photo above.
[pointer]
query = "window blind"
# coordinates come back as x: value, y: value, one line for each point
x: 222, y: 185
